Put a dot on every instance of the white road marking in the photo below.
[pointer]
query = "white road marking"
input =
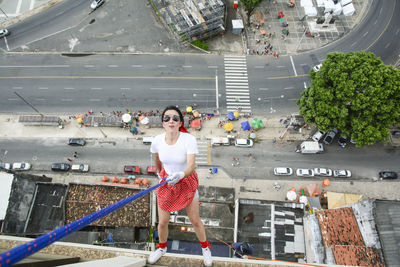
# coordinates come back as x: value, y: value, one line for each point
x: 280, y: 66
x: 36, y: 66
x: 387, y: 45
x: 15, y: 87
x: 112, y: 66
x: 212, y: 67
x: 66, y: 99
x: 288, y: 88
x: 263, y: 89
x: 40, y: 99
x: 175, y: 88
x: 365, y: 33
x: 18, y: 7
x: 162, y: 66
x: 186, y: 66
x: 5, y: 40
x: 136, y: 66
x: 69, y: 88
x: 43, y: 88
x: 94, y: 100
x: 12, y: 99
x: 294, y: 68
x: 89, y: 66
x: 353, y: 44
x: 125, y: 88
x: 32, y: 4
x: 96, y: 88
x: 258, y: 67
x: 397, y: 32
x: 293, y: 99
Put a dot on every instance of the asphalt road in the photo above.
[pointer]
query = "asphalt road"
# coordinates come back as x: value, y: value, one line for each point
x: 110, y: 157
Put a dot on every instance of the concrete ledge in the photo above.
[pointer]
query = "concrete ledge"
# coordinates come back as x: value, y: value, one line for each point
x: 120, y: 261
x: 91, y: 252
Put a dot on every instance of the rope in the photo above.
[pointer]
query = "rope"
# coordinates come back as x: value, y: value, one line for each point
x: 16, y: 254
x: 258, y: 258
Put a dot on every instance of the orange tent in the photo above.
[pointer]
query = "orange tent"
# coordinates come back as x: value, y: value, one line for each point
x: 313, y: 190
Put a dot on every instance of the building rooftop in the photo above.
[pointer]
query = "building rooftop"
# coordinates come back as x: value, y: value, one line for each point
x: 83, y: 200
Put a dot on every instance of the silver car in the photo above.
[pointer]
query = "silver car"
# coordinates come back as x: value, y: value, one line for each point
x: 283, y: 171
x: 96, y: 3
x: 342, y: 173
x: 323, y: 172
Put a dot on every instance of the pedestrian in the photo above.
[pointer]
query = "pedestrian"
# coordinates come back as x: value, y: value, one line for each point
x: 243, y: 249
x: 69, y: 159
x: 174, y: 153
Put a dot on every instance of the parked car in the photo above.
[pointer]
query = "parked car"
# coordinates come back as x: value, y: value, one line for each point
x: 61, y: 167
x: 96, y: 3
x: 317, y: 68
x: 80, y: 167
x: 305, y: 172
x: 387, y: 175
x: 132, y: 169
x: 220, y: 141
x: 5, y: 166
x: 244, y: 142
x: 283, y: 171
x: 330, y: 136
x: 76, y: 142
x: 21, y: 166
x: 342, y: 141
x: 342, y: 173
x: 4, y: 33
x: 147, y: 140
x: 323, y: 172
x: 317, y: 136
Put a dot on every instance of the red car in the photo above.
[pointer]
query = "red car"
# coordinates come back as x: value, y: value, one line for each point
x: 132, y: 169
x: 152, y: 170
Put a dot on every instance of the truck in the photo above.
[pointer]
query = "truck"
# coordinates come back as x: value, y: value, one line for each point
x: 310, y: 147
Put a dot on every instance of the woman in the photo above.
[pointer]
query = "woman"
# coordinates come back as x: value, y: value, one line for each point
x: 174, y: 155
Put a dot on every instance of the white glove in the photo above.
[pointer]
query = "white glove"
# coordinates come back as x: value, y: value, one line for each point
x: 175, y: 177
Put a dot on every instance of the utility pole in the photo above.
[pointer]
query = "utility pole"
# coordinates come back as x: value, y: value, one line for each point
x: 216, y: 90
x: 29, y: 104
x: 4, y: 13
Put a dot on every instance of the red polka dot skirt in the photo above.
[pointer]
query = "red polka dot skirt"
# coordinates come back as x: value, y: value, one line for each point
x: 178, y: 196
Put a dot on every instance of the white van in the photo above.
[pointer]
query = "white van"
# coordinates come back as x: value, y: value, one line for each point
x: 219, y: 141
x: 244, y: 142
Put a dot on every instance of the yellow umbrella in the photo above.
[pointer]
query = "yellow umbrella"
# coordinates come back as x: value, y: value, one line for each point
x: 236, y: 114
x: 79, y: 120
x: 228, y: 127
x: 189, y: 109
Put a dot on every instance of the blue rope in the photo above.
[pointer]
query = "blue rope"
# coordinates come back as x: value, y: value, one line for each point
x: 16, y: 254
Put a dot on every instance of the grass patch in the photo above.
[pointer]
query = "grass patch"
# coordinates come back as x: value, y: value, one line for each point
x: 200, y: 44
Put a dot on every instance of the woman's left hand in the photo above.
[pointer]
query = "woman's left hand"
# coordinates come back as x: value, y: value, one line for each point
x: 175, y: 177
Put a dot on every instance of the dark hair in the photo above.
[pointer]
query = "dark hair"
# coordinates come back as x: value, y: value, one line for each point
x: 245, y: 248
x: 172, y: 108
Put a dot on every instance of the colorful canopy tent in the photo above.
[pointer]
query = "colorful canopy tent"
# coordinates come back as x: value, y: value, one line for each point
x: 195, y: 124
x: 257, y: 123
x: 145, y: 121
x: 236, y: 114
x: 189, y: 109
x: 230, y: 116
x: 126, y: 118
x: 313, y: 190
x: 228, y: 127
x: 79, y: 120
x: 245, y: 125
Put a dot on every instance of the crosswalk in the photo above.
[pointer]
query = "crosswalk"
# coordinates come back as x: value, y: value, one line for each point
x: 237, y: 84
x: 202, y: 157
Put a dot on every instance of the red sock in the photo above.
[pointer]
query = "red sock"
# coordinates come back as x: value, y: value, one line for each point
x: 162, y: 245
x: 205, y: 244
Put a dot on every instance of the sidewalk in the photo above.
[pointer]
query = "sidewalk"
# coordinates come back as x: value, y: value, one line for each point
x: 273, y: 129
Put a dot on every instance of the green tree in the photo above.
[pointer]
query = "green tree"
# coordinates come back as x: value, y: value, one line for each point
x: 249, y: 6
x: 356, y: 93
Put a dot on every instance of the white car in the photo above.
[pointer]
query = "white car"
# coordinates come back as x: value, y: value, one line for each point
x: 342, y: 173
x: 305, y: 172
x: 21, y: 166
x: 317, y: 136
x: 244, y: 142
x: 5, y: 166
x: 283, y: 171
x: 323, y: 172
x: 96, y: 3
x: 316, y: 68
x: 80, y: 167
x: 4, y: 32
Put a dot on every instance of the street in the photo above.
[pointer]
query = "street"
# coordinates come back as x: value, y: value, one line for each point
x: 109, y: 157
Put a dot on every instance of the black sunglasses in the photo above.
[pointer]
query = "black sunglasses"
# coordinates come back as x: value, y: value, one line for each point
x: 167, y: 118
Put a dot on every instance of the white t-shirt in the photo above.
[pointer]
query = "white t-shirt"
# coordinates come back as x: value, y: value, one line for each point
x: 174, y: 158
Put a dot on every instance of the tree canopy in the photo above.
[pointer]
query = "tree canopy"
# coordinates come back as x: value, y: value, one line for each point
x: 356, y: 93
x: 250, y: 5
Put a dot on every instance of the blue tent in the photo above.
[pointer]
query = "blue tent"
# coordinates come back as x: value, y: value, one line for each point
x: 245, y: 125
x: 230, y: 116
x: 133, y: 130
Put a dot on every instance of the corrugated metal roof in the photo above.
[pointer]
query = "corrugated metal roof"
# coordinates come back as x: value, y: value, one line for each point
x: 388, y: 224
